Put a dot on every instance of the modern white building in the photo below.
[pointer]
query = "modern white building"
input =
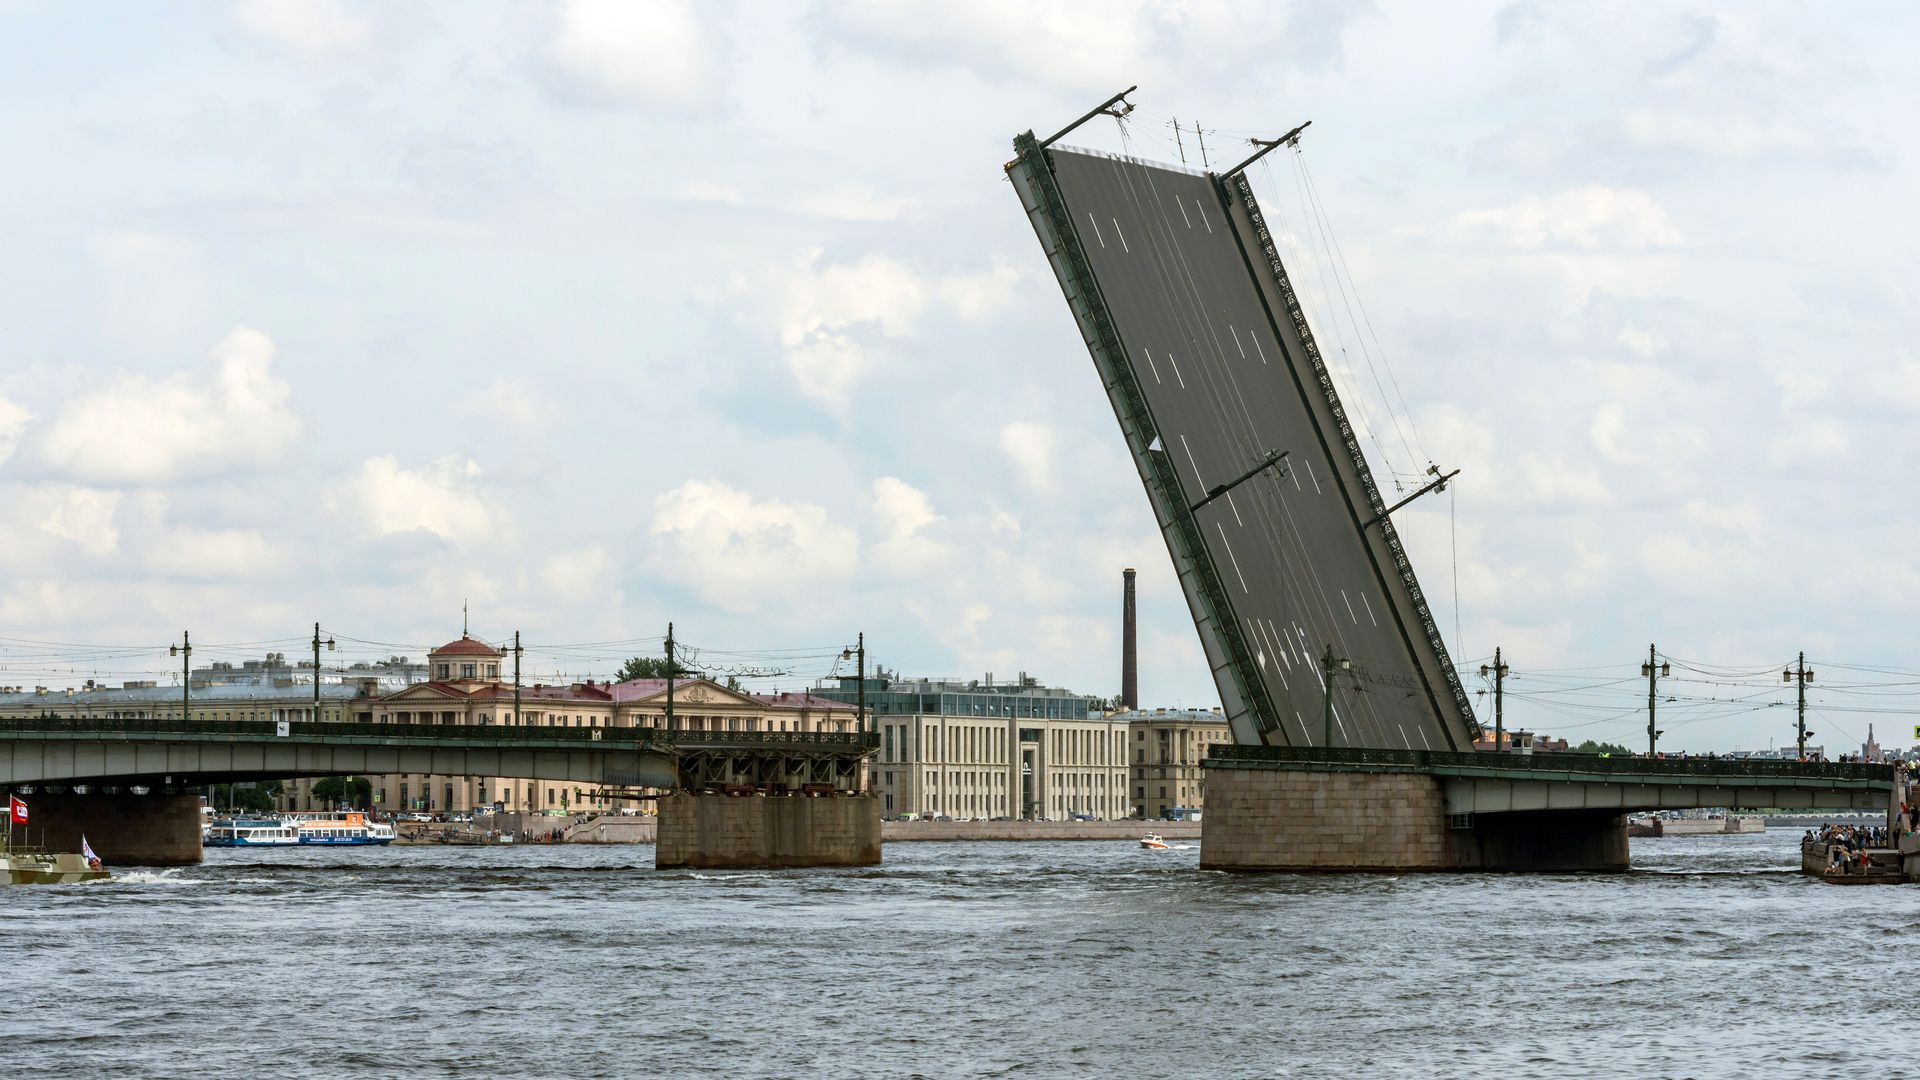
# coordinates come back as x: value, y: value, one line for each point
x: 980, y: 749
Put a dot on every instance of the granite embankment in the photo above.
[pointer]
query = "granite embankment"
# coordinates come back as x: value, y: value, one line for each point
x: 621, y: 829
x: 895, y: 831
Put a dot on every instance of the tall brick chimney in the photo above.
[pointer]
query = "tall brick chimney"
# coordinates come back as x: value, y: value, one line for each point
x: 1129, y: 649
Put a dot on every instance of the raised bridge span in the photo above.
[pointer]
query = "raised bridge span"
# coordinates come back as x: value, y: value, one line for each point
x: 1287, y: 554
x: 1211, y: 368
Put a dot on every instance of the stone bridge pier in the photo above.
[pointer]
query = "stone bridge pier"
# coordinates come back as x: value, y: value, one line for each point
x: 1302, y: 809
x: 125, y: 829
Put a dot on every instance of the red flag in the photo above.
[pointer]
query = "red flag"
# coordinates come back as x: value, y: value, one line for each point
x: 16, y: 810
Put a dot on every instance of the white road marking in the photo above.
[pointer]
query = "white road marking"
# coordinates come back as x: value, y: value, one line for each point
x: 1235, y: 558
x: 1237, y: 519
x: 1423, y: 738
x: 1203, y: 215
x: 1369, y: 607
x: 1303, y: 727
x: 1183, y: 213
x: 1121, y: 235
x: 1156, y: 374
x: 1257, y: 347
x: 1197, y: 478
x: 1349, y: 603
x: 1236, y: 341
x: 1176, y: 371
x: 1403, y: 735
x: 1096, y: 229
x: 1310, y: 476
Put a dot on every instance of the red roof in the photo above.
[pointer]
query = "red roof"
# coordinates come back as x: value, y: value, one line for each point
x: 466, y: 646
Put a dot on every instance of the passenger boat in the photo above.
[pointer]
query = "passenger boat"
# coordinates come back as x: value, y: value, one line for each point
x: 250, y: 832
x: 1152, y: 842
x: 350, y: 829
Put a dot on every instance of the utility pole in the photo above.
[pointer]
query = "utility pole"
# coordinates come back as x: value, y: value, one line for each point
x: 1801, y: 675
x: 517, y: 650
x: 316, y: 669
x: 1177, y: 144
x: 1653, y: 669
x: 1202, y: 136
x: 1330, y: 666
x: 670, y: 667
x: 860, y: 695
x: 184, y: 651
x: 1499, y: 673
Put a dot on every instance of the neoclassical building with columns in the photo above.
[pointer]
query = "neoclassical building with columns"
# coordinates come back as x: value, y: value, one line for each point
x: 466, y: 688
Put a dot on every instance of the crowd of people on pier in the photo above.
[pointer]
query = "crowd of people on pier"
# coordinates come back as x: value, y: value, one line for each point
x: 1848, y: 844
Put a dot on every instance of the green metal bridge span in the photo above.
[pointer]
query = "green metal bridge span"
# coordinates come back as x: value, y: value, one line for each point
x: 1482, y: 783
x: 189, y: 753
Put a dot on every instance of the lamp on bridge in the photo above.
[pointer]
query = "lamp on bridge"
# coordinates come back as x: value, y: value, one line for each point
x: 1330, y: 666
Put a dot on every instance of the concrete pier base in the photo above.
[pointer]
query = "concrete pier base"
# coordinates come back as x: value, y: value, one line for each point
x: 1286, y: 820
x: 126, y: 830
x: 738, y: 832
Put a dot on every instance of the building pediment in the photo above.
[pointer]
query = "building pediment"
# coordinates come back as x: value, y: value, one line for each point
x: 701, y: 692
x: 426, y: 692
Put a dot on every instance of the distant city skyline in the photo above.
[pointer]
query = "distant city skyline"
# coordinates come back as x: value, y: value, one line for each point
x: 600, y: 315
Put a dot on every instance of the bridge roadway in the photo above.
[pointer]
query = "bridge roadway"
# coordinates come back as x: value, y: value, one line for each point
x: 1488, y: 783
x: 174, y: 752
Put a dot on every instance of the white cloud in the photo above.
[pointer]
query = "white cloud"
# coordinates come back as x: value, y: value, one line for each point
x: 852, y: 203
x: 1551, y: 480
x: 314, y: 27
x: 982, y: 295
x: 1030, y: 447
x: 829, y: 318
x: 84, y: 516
x: 514, y: 401
x: 1608, y: 431
x: 141, y: 430
x: 742, y: 553
x: 13, y: 425
x: 656, y: 52
x: 905, y: 515
x: 213, y: 553
x: 1643, y: 343
x: 1589, y: 218
x: 581, y: 574
x: 441, y: 498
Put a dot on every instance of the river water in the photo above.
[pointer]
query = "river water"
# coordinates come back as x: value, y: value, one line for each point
x: 1712, y: 958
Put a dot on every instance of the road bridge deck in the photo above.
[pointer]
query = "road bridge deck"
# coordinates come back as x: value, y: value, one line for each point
x: 1480, y: 783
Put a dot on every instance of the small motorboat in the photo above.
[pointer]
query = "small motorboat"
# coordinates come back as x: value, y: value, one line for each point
x: 1152, y: 842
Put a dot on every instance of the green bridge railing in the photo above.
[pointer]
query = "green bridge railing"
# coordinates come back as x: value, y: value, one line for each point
x: 161, y: 728
x: 1348, y: 759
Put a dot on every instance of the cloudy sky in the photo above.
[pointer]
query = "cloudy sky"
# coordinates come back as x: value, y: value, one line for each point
x: 597, y: 314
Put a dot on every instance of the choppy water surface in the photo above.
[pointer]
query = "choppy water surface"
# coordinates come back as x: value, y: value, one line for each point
x: 1712, y: 959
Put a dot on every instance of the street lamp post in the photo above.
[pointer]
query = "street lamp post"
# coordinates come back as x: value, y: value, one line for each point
x: 316, y: 669
x: 1330, y: 667
x: 184, y: 651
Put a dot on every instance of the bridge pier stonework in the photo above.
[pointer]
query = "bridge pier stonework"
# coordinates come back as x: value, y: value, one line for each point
x: 1295, y: 821
x: 739, y: 832
x: 123, y: 828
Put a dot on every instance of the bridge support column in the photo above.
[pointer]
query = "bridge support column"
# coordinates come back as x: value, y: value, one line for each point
x: 1294, y: 820
x: 741, y: 832
x: 125, y: 829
